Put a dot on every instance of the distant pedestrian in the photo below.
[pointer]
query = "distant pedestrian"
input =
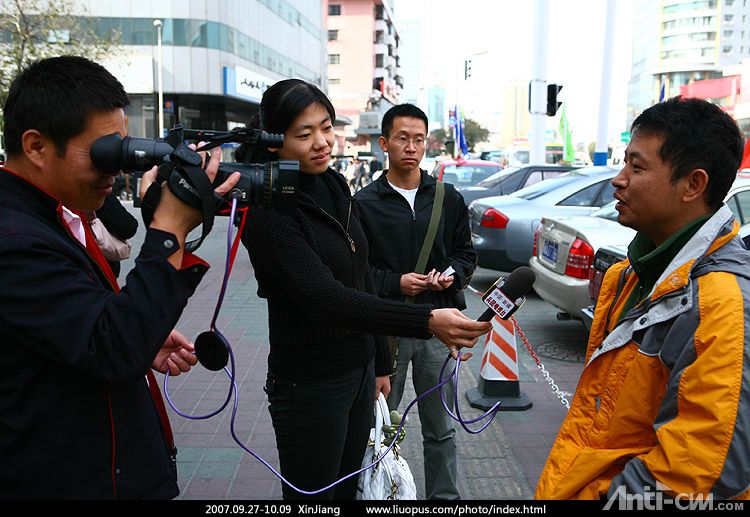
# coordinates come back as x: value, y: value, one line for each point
x: 350, y: 173
x: 375, y: 166
x: 363, y: 174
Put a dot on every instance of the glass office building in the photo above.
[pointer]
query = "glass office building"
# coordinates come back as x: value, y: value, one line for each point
x: 217, y: 56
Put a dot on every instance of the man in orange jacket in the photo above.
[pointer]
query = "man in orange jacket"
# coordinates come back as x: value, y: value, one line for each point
x: 662, y: 408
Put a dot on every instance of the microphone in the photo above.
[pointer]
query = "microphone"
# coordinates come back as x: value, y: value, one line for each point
x: 507, y: 295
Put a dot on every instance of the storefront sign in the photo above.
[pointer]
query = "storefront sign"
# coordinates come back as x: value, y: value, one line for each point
x: 244, y: 83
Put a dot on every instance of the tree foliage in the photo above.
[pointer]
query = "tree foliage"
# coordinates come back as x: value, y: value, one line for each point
x: 474, y: 133
x: 436, y: 142
x: 37, y: 29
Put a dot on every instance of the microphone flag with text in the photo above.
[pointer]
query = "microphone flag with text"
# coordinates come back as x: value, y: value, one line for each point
x: 507, y: 294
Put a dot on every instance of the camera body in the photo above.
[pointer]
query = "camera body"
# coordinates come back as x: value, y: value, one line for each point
x: 271, y: 184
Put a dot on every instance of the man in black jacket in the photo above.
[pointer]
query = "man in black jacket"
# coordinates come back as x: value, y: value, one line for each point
x: 396, y: 211
x: 78, y: 419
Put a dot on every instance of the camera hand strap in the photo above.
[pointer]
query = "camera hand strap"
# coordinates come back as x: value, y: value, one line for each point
x: 190, y: 185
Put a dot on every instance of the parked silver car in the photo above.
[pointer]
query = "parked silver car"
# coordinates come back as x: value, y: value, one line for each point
x: 564, y: 251
x: 573, y: 253
x: 503, y: 227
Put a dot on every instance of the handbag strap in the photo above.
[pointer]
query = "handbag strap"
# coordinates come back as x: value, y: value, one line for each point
x: 382, y: 417
x: 429, y: 238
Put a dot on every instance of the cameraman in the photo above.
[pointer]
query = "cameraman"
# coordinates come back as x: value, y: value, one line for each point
x: 77, y: 417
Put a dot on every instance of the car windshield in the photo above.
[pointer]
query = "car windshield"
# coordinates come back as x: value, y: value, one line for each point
x: 496, y: 178
x: 543, y: 187
x: 608, y: 211
x: 466, y: 175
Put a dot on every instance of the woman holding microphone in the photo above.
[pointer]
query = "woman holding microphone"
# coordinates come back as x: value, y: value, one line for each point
x: 326, y: 324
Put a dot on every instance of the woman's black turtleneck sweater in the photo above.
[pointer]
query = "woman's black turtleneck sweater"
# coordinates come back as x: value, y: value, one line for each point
x: 311, y: 266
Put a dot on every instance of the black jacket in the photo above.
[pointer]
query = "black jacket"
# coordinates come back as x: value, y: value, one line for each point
x: 312, y: 268
x: 76, y: 416
x: 396, y: 234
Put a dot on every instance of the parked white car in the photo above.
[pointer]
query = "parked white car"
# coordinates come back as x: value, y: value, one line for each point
x: 565, y: 248
x: 564, y: 252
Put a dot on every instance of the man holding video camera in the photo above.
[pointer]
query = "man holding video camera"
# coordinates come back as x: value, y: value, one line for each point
x: 78, y: 417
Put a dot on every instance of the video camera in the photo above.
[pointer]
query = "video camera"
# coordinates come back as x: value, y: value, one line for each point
x: 270, y: 184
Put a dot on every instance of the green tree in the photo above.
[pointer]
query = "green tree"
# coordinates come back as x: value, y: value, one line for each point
x: 436, y: 142
x: 36, y: 29
x: 474, y: 133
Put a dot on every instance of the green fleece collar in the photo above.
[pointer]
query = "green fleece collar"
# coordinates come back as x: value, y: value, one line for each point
x: 649, y: 261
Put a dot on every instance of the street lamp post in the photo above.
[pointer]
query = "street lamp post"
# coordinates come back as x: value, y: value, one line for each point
x: 160, y: 88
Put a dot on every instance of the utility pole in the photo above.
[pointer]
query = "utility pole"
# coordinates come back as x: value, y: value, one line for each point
x: 602, y: 136
x: 160, y: 85
x: 538, y: 84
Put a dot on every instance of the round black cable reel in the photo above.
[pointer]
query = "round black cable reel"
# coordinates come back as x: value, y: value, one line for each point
x: 212, y: 350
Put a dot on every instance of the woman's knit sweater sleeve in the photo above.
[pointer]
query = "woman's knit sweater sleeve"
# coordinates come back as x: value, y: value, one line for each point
x: 280, y: 249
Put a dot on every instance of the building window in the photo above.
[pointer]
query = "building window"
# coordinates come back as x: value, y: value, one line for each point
x: 727, y: 34
x: 728, y: 18
x: 333, y: 35
x: 727, y: 49
x: 334, y: 10
x: 728, y: 3
x: 379, y: 12
x: 378, y: 60
x: 334, y: 59
x: 379, y: 37
x: 332, y: 81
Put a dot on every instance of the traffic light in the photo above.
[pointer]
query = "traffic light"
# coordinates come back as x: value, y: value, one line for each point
x: 467, y: 69
x: 552, y: 103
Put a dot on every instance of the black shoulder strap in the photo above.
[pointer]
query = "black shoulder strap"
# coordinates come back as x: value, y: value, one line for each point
x: 429, y: 238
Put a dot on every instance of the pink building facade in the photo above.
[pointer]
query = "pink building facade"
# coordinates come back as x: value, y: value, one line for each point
x: 363, y: 68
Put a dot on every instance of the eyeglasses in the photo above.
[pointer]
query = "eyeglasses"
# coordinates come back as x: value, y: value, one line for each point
x: 403, y: 141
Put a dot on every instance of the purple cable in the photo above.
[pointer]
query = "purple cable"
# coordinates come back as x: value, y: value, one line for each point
x: 491, y: 413
x: 227, y: 270
x: 270, y: 467
x: 233, y: 390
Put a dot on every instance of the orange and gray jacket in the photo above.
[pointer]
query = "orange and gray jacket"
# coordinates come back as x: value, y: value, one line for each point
x: 664, y: 400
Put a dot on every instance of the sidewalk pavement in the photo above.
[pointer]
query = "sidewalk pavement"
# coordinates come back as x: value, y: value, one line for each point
x: 502, y: 462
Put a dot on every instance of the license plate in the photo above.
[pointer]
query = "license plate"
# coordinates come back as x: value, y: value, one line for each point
x: 549, y: 251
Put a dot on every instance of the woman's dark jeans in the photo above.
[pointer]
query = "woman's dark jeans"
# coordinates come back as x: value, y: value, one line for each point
x: 322, y: 428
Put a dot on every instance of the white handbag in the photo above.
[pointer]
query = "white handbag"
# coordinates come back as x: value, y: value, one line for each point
x: 113, y: 248
x: 391, y: 477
